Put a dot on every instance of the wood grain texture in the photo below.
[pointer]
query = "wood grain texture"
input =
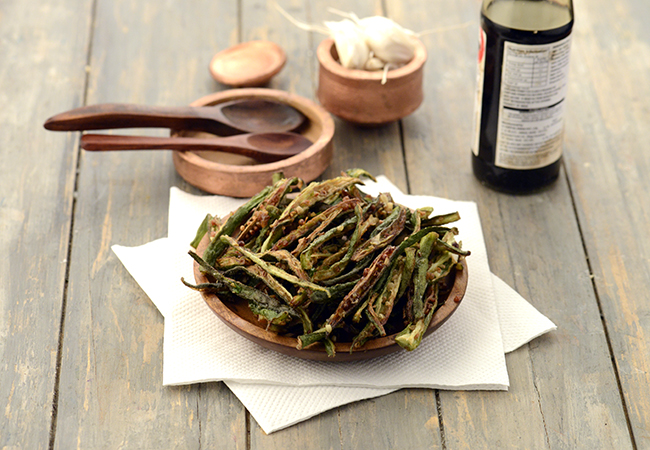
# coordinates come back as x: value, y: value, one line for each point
x: 565, y: 370
x: 608, y: 166
x: 111, y: 376
x: 43, y: 50
x: 577, y: 251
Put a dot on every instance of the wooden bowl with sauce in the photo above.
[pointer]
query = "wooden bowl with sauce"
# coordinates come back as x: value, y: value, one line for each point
x: 239, y: 176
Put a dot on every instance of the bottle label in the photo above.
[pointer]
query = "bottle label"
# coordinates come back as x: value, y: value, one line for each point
x: 478, y: 101
x: 531, y: 104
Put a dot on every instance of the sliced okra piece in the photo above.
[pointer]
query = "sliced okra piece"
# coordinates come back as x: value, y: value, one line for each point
x: 420, y: 273
x: 273, y: 270
x: 383, y: 234
x: 202, y: 230
x: 217, y: 246
x: 362, y: 288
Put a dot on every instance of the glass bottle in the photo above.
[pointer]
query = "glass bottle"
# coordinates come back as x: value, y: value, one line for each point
x: 522, y: 81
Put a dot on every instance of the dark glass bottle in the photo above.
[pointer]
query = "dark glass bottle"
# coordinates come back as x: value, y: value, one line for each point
x: 521, y: 87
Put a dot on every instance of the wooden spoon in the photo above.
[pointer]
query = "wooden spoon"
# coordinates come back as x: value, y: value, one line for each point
x: 254, y: 115
x: 248, y: 64
x: 264, y: 147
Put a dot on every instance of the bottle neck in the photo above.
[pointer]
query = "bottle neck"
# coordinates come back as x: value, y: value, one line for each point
x: 529, y: 15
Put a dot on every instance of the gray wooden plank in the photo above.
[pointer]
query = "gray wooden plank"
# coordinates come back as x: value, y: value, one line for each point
x: 111, y: 377
x: 608, y: 166
x: 554, y: 377
x: 43, y: 52
x: 378, y: 150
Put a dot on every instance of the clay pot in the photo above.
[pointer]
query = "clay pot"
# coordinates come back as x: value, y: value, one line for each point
x: 359, y: 95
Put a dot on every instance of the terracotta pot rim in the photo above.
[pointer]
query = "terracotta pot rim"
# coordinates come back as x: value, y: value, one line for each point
x: 324, y: 55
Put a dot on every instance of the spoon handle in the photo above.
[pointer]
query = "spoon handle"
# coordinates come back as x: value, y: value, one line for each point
x: 123, y: 115
x: 235, y: 144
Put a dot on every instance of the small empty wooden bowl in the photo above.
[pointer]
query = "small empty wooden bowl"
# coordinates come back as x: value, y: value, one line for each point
x: 359, y: 96
x: 240, y: 176
x: 248, y: 64
x: 238, y: 316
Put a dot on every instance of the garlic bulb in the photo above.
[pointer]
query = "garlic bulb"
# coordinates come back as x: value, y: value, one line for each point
x: 371, y: 43
x: 350, y: 44
x: 387, y: 40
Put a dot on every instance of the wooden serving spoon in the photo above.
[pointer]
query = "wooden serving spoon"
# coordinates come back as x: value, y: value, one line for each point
x: 253, y: 115
x: 263, y: 147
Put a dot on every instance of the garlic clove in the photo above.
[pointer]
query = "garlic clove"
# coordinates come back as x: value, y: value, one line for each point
x: 374, y: 63
x: 350, y: 43
x: 387, y: 40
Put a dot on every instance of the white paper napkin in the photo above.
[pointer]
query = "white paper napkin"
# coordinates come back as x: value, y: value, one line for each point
x: 465, y: 353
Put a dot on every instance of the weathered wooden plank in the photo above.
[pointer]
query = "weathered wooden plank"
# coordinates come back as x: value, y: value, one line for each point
x: 378, y: 150
x: 43, y: 52
x: 111, y: 377
x: 607, y: 142
x: 531, y: 240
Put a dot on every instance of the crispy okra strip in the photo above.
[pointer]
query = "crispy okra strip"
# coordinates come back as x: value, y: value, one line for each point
x: 307, y: 255
x: 279, y: 316
x: 270, y: 308
x: 307, y: 326
x: 383, y: 306
x: 329, y: 215
x: 442, y: 219
x: 420, y: 275
x: 409, y: 266
x: 290, y: 260
x: 333, y: 270
x: 411, y: 337
x: 326, y: 216
x: 356, y: 318
x: 263, y: 213
x: 380, y: 310
x: 260, y: 274
x: 202, y: 230
x: 332, y: 259
x: 324, y: 191
x: 203, y: 287
x: 361, y: 289
x: 353, y: 273
x: 273, y: 270
x: 383, y: 234
x: 337, y: 292
x: 217, y: 246
x: 315, y: 192
x: 451, y: 247
x: 359, y: 173
x: 307, y: 339
x: 440, y: 267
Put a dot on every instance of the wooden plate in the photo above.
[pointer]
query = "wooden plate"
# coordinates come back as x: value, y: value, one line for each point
x: 239, y: 176
x: 238, y: 316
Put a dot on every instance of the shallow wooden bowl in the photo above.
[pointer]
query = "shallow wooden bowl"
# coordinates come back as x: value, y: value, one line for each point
x: 240, y: 176
x: 238, y: 317
x: 359, y: 96
x: 248, y: 64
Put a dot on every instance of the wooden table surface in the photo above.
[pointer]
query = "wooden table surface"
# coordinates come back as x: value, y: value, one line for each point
x: 81, y: 344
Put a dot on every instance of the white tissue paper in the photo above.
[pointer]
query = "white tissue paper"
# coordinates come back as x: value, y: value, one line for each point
x: 467, y: 352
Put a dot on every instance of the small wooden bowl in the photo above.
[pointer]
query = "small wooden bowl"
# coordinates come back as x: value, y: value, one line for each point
x: 238, y: 316
x: 240, y: 176
x: 358, y: 95
x: 248, y: 64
